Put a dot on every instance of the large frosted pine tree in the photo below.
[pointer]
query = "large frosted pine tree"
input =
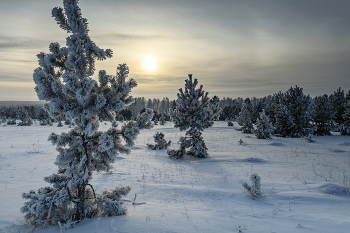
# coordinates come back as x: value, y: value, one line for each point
x: 244, y: 118
x: 345, y: 126
x: 293, y: 113
x: 194, y: 114
x: 64, y: 80
x: 323, y: 115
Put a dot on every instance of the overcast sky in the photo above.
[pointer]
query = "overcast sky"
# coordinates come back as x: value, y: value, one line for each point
x: 234, y: 47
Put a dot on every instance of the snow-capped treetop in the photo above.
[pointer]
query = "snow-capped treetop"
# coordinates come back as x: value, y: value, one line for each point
x: 63, y: 77
x: 192, y: 107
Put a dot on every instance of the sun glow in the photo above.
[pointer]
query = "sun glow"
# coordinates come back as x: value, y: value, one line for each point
x: 149, y: 63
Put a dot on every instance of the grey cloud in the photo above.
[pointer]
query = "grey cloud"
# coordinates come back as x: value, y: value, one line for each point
x: 19, y: 42
x: 120, y: 36
x: 15, y: 77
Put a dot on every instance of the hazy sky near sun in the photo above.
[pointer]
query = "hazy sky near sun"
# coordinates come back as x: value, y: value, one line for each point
x: 234, y: 47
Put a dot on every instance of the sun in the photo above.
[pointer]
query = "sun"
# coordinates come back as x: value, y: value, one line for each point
x: 149, y: 63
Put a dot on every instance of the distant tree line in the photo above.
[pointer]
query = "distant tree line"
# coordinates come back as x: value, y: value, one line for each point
x: 291, y: 113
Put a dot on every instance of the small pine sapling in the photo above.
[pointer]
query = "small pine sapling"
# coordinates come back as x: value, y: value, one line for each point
x: 344, y: 128
x: 161, y: 143
x: 3, y: 119
x: 23, y: 116
x: 179, y: 154
x: 244, y: 119
x: 162, y: 119
x: 11, y: 122
x: 43, y: 117
x: 155, y: 121
x: 263, y: 127
x: 309, y: 139
x: 255, y: 189
x: 193, y: 113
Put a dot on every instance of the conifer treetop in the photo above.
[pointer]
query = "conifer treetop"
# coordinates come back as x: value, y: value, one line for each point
x: 192, y: 107
x: 64, y: 76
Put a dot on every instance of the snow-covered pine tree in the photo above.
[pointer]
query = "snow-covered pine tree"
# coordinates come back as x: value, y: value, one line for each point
x: 192, y: 113
x: 161, y: 143
x: 162, y: 119
x: 11, y: 122
x: 3, y: 119
x: 155, y: 121
x: 229, y: 122
x: 338, y: 99
x: 293, y: 113
x: 59, y: 120
x: 256, y: 107
x: 345, y: 126
x: 43, y: 117
x: 263, y: 127
x: 253, y: 190
x: 244, y: 119
x: 213, y: 104
x: 64, y: 80
x: 23, y: 116
x: 323, y: 115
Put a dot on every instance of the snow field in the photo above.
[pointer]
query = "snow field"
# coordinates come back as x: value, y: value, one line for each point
x: 304, y: 184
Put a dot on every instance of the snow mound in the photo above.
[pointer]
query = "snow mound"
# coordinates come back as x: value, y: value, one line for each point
x: 276, y: 144
x: 336, y: 150
x: 332, y: 189
x: 251, y: 160
x: 344, y: 143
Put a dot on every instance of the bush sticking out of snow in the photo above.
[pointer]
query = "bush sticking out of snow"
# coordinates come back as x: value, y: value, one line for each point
x: 255, y: 189
x: 161, y: 143
x: 308, y: 138
x: 193, y: 112
x: 263, y: 127
x: 11, y: 122
x: 23, y: 116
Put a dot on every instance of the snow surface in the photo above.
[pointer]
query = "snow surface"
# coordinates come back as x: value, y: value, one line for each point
x: 305, y: 185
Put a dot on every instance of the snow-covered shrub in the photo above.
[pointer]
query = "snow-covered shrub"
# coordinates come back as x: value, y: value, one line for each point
x: 253, y: 190
x: 244, y: 119
x: 192, y: 112
x: 161, y: 143
x: 309, y: 139
x: 3, y: 119
x: 11, y: 122
x: 23, y: 116
x: 293, y: 113
x: 338, y: 100
x: 64, y: 81
x: 155, y: 121
x: 162, y: 119
x: 263, y: 127
x: 229, y: 123
x: 178, y: 154
x: 344, y: 128
x: 323, y: 115
x: 44, y: 117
